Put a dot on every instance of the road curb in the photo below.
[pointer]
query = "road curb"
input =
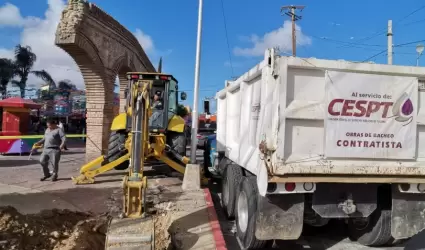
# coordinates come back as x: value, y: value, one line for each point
x: 214, y: 223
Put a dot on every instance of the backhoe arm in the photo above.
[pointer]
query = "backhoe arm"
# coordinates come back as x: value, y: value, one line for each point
x: 135, y: 185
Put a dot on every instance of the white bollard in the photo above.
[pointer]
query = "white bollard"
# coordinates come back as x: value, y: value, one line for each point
x: 192, y: 177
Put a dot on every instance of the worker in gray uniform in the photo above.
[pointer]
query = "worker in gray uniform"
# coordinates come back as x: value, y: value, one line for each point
x: 54, y: 142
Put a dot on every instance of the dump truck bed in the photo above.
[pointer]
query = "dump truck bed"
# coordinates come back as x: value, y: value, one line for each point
x: 325, y: 118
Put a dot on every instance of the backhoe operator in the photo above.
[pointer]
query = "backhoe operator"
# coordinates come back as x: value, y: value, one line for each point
x: 157, y: 111
x: 157, y: 103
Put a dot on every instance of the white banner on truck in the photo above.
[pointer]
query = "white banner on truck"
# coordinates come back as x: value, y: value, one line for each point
x: 370, y: 116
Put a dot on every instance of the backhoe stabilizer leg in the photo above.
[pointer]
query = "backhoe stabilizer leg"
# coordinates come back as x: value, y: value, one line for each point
x: 185, y: 160
x: 180, y: 168
x: 88, y: 173
x: 92, y: 164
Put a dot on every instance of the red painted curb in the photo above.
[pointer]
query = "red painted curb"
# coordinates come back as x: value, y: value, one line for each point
x: 220, y: 244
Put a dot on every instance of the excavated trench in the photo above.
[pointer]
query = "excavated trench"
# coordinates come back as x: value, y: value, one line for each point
x: 70, y: 230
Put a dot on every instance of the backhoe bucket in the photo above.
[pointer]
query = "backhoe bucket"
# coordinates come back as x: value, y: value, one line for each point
x: 131, y: 234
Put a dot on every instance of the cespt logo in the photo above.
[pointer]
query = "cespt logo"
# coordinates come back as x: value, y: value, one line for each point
x: 403, y: 109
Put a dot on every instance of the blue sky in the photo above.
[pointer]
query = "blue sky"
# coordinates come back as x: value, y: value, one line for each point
x: 330, y: 29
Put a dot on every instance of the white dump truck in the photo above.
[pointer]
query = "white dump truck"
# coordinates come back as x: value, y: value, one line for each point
x: 301, y: 141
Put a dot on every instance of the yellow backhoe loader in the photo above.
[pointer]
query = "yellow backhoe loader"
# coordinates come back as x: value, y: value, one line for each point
x: 165, y: 134
x: 150, y: 129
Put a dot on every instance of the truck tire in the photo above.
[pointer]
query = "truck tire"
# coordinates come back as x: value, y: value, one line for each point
x: 232, y: 178
x: 116, y: 149
x: 376, y: 232
x: 246, y: 214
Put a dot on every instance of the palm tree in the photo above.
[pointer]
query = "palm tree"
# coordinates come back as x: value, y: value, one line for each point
x: 65, y: 88
x: 24, y: 61
x: 7, y: 72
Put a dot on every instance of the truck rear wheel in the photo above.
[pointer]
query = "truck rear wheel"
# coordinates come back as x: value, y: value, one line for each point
x: 374, y: 231
x: 246, y: 214
x: 232, y: 177
x: 116, y: 149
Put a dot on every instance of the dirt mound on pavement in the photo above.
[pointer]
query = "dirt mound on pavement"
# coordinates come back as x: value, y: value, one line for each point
x: 51, y: 230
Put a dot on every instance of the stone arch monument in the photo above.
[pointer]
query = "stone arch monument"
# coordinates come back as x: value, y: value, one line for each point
x: 103, y: 49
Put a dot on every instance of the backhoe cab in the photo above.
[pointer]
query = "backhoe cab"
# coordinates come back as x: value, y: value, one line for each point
x: 164, y: 101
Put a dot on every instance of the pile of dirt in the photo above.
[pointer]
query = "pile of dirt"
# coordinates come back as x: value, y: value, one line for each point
x: 51, y: 230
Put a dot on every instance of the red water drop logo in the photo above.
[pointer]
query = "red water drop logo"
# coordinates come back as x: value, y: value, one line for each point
x: 407, y: 108
x: 403, y: 109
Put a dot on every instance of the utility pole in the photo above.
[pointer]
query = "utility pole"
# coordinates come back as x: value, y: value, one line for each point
x: 194, y: 131
x: 390, y: 41
x: 294, y: 17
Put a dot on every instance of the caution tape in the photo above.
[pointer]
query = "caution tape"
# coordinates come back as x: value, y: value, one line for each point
x: 37, y: 136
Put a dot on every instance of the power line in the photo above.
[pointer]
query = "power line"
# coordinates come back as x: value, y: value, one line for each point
x: 374, y: 55
x: 357, y: 44
x: 398, y: 45
x: 395, y: 24
x: 411, y: 13
x: 227, y: 38
x: 413, y: 22
x: 344, y: 42
x: 373, y: 47
x: 409, y: 43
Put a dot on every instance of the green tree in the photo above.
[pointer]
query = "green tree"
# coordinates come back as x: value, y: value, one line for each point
x: 65, y: 88
x: 181, y: 110
x: 24, y: 62
x: 7, y: 72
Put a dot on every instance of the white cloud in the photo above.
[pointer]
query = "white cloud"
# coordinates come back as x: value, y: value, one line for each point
x: 144, y: 40
x: 148, y: 46
x: 281, y: 38
x: 10, y: 16
x: 39, y: 34
x: 5, y: 53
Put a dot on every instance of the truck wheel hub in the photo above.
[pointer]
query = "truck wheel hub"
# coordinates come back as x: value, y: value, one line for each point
x: 242, y: 211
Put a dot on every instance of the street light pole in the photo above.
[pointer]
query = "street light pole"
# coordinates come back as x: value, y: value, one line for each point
x: 194, y: 132
x: 419, y: 50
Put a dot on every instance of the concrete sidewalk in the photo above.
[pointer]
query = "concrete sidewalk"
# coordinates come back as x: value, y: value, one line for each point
x: 191, y: 226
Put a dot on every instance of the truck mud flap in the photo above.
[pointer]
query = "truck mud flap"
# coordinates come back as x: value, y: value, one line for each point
x: 280, y: 217
x: 408, y: 214
x: 345, y: 200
